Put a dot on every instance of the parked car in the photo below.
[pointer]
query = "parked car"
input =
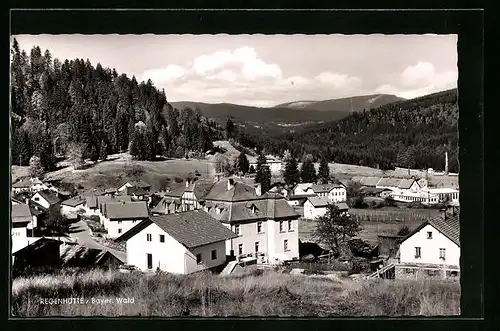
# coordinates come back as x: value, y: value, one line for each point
x: 127, y: 268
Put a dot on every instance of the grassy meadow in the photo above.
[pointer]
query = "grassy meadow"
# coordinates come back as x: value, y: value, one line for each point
x: 266, y: 293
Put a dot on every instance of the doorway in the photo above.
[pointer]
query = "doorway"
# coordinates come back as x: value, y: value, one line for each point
x: 150, y: 260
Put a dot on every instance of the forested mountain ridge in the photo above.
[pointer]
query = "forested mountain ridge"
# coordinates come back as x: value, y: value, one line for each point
x: 355, y: 103
x: 77, y: 109
x: 413, y: 133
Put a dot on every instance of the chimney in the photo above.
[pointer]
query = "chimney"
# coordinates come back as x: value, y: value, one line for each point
x: 187, y: 182
x: 230, y: 184
x: 27, y: 201
x: 446, y: 163
x: 258, y: 189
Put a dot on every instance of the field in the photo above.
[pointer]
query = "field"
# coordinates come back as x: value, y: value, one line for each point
x: 120, y: 168
x: 382, y: 221
x: 253, y: 294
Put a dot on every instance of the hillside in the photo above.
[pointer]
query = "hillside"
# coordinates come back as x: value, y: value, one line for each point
x: 253, y: 293
x: 356, y: 103
x: 412, y: 133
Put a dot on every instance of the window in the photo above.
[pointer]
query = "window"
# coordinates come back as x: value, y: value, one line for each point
x: 148, y: 237
x: 257, y: 246
x: 37, y: 198
x: 237, y: 229
x: 418, y: 252
x: 162, y: 238
x: 240, y: 249
x: 119, y: 230
x: 119, y: 222
x: 290, y: 225
x: 429, y: 235
x: 285, y: 245
x: 259, y: 227
x: 442, y: 253
x: 281, y: 227
x: 198, y: 258
x: 149, y: 260
x: 214, y: 254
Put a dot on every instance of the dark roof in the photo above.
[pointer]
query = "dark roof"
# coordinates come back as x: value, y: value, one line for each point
x: 450, y: 228
x: 389, y: 182
x: 163, y: 205
x: 126, y: 210
x: 273, y: 207
x: 324, y: 188
x: 91, y: 201
x: 298, y: 196
x: 50, y: 196
x: 374, y: 190
x: 136, y: 190
x: 22, y: 184
x: 406, y: 183
x: 73, y: 202
x: 201, y: 189
x: 78, y: 255
x: 101, y: 200
x: 366, y: 181
x: 239, y: 192
x: 177, y: 193
x: 191, y: 228
x: 40, y: 243
x: 21, y: 213
x: 318, y: 202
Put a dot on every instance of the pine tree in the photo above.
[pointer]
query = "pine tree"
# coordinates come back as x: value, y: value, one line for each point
x: 137, y: 145
x: 261, y: 161
x: 24, y: 148
x: 291, y: 174
x: 103, y: 153
x: 242, y: 163
x: 47, y: 157
x: 36, y: 168
x: 308, y: 172
x: 324, y: 171
x: 265, y: 178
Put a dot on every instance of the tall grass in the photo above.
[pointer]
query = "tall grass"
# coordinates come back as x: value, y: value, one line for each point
x: 268, y: 294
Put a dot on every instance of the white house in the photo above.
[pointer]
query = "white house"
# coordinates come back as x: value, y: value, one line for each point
x: 267, y: 227
x: 408, y: 196
x: 46, y: 198
x: 444, y: 194
x: 94, y: 204
x: 433, y: 245
x: 395, y: 184
x: 72, y: 206
x: 119, y: 217
x: 275, y: 166
x: 317, y: 206
x: 180, y: 243
x: 22, y: 221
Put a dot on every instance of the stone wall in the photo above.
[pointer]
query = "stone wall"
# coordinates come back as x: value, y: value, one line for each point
x: 418, y: 273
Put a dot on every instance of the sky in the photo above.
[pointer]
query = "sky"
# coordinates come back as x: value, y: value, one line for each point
x: 266, y: 70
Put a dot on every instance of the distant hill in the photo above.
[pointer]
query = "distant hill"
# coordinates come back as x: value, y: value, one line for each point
x: 412, y: 133
x: 358, y: 103
x: 259, y: 115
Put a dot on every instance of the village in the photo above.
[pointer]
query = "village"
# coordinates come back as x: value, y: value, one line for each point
x: 227, y: 224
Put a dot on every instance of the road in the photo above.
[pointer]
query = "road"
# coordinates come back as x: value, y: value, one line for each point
x: 80, y: 232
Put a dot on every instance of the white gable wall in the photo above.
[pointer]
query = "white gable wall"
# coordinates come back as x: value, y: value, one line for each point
x: 429, y: 248
x: 169, y: 256
x: 40, y: 200
x: 337, y: 194
x: 206, y: 257
x: 311, y: 212
x: 113, y: 226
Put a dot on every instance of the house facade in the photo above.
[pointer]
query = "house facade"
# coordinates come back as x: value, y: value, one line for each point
x: 191, y: 194
x: 180, y: 243
x: 433, y: 246
x: 317, y: 206
x: 72, y: 206
x: 265, y: 225
x: 119, y: 217
x: 135, y: 183
x: 302, y: 189
x: 47, y: 199
x: 28, y: 185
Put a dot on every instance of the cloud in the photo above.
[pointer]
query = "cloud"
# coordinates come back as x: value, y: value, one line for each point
x: 420, y: 79
x: 240, y: 76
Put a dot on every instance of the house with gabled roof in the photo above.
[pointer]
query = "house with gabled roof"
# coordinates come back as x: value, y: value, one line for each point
x: 94, y: 204
x: 119, y: 217
x: 366, y: 181
x: 192, y: 194
x: 23, y: 221
x: 28, y: 185
x: 317, y: 206
x: 399, y: 184
x: 72, y: 205
x: 432, y: 249
x: 334, y: 192
x: 181, y: 243
x: 266, y: 225
x: 75, y: 255
x: 39, y: 255
x: 46, y: 199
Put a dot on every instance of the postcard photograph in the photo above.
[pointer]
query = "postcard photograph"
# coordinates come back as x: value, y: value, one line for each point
x: 234, y: 175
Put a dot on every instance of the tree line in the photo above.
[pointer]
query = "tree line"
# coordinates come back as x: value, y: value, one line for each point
x: 74, y: 109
